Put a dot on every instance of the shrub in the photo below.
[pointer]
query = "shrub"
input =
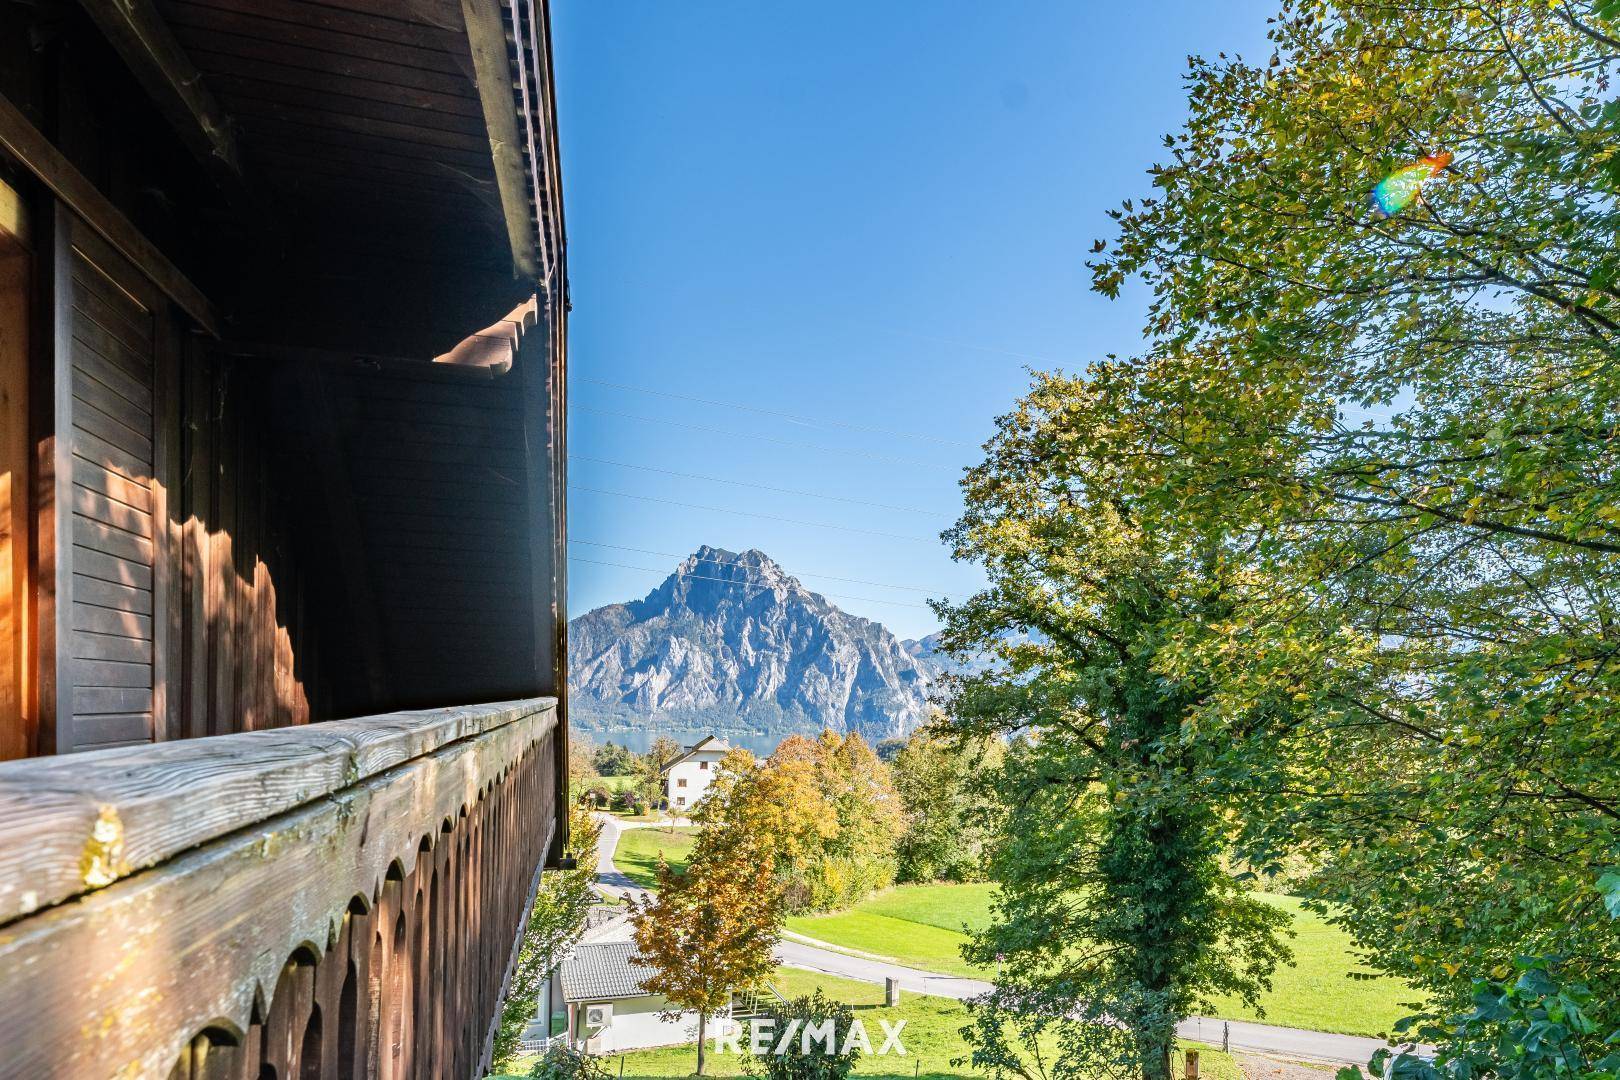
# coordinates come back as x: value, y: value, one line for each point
x: 796, y: 1062
x: 565, y: 1063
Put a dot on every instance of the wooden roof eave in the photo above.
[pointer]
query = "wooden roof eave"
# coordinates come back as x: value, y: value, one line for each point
x: 487, y: 40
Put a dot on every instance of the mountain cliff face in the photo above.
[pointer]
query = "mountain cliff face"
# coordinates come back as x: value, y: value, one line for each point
x: 733, y: 642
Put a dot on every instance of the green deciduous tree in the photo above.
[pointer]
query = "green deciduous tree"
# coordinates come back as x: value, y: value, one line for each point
x: 946, y: 788
x: 567, y: 1063
x: 1115, y: 917
x: 660, y: 753
x: 1405, y: 427
x: 815, y: 1030
x: 612, y: 759
x: 556, y: 921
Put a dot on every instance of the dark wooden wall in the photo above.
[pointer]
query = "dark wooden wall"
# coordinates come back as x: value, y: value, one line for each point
x: 415, y: 483
x: 266, y: 524
x: 178, y: 565
x: 248, y: 652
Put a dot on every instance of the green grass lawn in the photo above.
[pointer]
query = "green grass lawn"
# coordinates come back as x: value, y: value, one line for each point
x: 919, y: 926
x: 638, y: 851
x: 916, y: 925
x: 931, y: 1037
x: 1317, y: 992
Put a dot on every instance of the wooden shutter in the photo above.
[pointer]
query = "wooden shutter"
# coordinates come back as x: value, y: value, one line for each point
x: 110, y: 327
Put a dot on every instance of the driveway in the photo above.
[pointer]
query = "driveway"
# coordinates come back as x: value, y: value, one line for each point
x: 609, y: 878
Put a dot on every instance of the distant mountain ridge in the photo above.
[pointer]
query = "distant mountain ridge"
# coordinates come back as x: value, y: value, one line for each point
x: 732, y: 642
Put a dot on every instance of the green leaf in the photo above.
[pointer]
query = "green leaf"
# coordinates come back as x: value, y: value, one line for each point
x: 1609, y: 886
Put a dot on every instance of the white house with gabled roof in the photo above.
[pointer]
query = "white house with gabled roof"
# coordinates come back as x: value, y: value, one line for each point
x: 687, y: 778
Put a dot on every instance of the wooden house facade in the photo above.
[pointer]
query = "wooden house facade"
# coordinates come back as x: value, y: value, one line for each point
x: 283, y: 307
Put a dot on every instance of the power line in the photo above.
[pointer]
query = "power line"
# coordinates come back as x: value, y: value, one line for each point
x: 802, y: 573
x: 909, y: 462
x: 811, y: 420
x: 971, y: 345
x: 760, y: 487
x: 745, y: 584
x: 750, y: 513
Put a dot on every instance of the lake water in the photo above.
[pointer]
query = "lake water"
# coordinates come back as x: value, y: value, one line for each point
x: 639, y: 738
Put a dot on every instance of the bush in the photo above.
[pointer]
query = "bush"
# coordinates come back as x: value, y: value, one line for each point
x: 612, y: 760
x: 598, y: 795
x: 794, y: 1063
x: 565, y: 1063
x: 629, y: 801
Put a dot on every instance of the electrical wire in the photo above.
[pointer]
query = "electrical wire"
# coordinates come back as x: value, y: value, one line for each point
x: 908, y: 462
x: 759, y: 487
x: 752, y: 514
x: 722, y: 562
x: 796, y: 418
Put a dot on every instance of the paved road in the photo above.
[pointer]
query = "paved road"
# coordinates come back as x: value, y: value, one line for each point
x: 1295, y: 1044
x: 609, y: 877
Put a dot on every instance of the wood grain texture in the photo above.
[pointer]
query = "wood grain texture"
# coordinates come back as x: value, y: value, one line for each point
x: 177, y: 795
x: 486, y: 37
x: 411, y: 882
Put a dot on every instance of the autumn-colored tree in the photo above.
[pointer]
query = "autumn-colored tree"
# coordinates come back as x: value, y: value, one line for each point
x: 706, y: 933
x: 860, y: 858
x: 581, y: 763
x: 773, y: 809
x: 824, y: 811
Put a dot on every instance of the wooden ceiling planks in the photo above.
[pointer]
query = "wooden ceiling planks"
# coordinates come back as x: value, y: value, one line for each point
x: 361, y: 113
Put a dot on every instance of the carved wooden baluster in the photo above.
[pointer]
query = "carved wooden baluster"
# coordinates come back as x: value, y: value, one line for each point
x: 292, y: 1018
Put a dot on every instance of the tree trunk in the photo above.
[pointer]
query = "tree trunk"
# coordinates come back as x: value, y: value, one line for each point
x: 1155, y: 1046
x: 703, y: 1027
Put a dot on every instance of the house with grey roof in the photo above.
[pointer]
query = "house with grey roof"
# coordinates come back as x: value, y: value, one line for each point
x: 608, y: 1009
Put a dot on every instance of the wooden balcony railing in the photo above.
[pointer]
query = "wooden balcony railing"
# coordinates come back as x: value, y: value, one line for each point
x: 336, y: 900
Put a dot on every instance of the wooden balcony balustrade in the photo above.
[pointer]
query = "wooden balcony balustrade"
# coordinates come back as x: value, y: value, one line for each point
x: 335, y: 900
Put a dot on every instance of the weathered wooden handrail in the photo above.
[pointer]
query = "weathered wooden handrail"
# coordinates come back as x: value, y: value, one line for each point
x: 325, y: 901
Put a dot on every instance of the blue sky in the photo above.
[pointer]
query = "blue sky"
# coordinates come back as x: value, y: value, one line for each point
x: 847, y: 229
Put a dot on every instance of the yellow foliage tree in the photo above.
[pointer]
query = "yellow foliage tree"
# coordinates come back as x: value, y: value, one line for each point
x: 709, y: 931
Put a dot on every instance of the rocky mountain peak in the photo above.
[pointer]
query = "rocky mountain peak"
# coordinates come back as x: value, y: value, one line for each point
x: 731, y: 641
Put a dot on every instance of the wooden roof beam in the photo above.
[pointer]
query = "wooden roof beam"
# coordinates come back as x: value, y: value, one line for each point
x: 167, y: 74
x: 20, y: 139
x: 492, y: 70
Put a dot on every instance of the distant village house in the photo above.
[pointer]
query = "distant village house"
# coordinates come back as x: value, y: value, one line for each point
x: 687, y: 778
